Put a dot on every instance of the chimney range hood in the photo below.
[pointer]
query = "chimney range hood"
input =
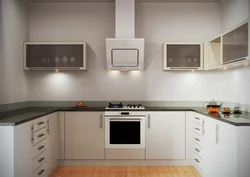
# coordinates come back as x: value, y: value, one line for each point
x: 125, y: 52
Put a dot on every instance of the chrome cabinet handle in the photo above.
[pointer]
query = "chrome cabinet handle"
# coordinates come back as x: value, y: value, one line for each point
x: 217, y: 134
x: 197, y: 139
x: 40, y: 148
x: 40, y: 160
x: 41, y: 135
x: 197, y: 150
x: 41, y: 172
x: 197, y: 118
x: 32, y: 133
x: 101, y: 121
x: 40, y: 123
x: 203, y: 127
x: 48, y: 127
x: 197, y: 160
x: 149, y: 121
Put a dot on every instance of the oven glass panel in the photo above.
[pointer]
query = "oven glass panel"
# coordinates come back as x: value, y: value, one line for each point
x: 125, y: 132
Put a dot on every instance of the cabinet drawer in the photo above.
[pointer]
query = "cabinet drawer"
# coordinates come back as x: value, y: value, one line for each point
x: 41, y: 171
x: 198, y: 161
x: 39, y: 148
x: 197, y: 120
x: 198, y: 140
x: 39, y: 160
x: 40, y: 123
x: 197, y: 129
x: 199, y: 151
x: 39, y: 135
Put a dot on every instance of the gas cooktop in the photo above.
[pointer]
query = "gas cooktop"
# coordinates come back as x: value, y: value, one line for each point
x: 121, y: 106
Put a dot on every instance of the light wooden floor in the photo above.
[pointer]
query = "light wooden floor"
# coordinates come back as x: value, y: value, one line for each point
x: 125, y: 171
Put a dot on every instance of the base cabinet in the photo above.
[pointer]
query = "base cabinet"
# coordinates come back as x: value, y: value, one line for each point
x: 165, y: 135
x: 84, y: 135
x: 53, y: 138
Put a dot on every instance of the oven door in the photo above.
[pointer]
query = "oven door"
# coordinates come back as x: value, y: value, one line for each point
x: 125, y: 132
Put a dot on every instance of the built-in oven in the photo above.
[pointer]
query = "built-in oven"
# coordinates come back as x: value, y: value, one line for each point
x: 125, y: 129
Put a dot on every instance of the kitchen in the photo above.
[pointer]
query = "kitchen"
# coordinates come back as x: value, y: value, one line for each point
x: 163, y: 93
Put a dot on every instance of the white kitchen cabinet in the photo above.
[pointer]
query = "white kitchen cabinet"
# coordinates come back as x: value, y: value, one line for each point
x: 84, y: 135
x: 53, y: 139
x: 220, y: 149
x: 165, y: 135
x: 182, y: 56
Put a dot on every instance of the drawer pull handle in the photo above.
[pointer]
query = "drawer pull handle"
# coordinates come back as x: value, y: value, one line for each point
x: 40, y: 160
x: 197, y: 129
x: 197, y: 150
x: 197, y: 160
x: 40, y: 123
x: 41, y: 147
x: 197, y: 118
x: 39, y: 136
x: 197, y: 139
x: 41, y: 172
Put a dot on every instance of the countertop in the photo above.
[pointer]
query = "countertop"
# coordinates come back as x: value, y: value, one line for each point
x: 19, y: 116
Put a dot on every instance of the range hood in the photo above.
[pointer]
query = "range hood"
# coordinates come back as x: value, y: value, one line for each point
x: 125, y: 52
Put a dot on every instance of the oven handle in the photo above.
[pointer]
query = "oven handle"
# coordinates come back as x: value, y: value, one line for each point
x: 124, y: 119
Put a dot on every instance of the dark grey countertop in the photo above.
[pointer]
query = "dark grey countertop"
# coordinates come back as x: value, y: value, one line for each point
x: 19, y: 116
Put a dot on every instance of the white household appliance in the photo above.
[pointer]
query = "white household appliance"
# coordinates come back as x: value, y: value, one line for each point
x: 125, y: 127
x: 125, y: 52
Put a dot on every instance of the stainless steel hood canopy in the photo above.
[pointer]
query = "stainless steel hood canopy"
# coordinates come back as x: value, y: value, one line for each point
x: 125, y: 52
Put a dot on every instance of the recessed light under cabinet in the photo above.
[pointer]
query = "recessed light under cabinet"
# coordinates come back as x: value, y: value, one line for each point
x: 55, y: 56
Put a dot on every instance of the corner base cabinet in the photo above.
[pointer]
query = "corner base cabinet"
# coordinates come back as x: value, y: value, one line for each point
x: 84, y: 135
x: 165, y: 135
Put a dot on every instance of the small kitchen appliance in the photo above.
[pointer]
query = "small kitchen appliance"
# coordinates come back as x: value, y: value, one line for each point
x: 212, y: 106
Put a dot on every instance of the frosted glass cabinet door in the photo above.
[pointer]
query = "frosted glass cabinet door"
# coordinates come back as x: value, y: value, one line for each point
x: 55, y: 56
x: 183, y: 56
x: 235, y: 44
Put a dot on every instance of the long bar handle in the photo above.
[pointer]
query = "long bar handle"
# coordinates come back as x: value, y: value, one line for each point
x: 101, y: 121
x: 48, y: 127
x: 149, y: 121
x: 203, y: 127
x: 124, y: 119
x: 217, y: 134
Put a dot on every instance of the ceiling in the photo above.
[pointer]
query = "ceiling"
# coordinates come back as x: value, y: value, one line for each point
x: 200, y: 1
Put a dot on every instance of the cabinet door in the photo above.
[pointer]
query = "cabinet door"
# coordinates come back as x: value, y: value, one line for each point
x: 220, y: 149
x: 226, y: 150
x: 23, y: 150
x: 166, y: 135
x: 84, y: 135
x: 53, y: 139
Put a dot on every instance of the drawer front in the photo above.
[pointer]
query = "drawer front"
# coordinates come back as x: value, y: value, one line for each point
x: 198, y: 161
x: 40, y: 123
x: 198, y: 129
x: 39, y: 160
x: 199, y: 151
x: 198, y: 140
x: 41, y: 171
x: 197, y: 120
x: 39, y: 148
x: 39, y: 135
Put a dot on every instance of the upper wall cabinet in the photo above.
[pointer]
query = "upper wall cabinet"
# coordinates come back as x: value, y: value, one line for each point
x: 182, y: 56
x: 235, y: 45
x: 54, y: 56
x: 228, y: 50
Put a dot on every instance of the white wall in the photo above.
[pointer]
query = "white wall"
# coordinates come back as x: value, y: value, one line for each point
x: 233, y: 13
x: 13, y: 32
x: 156, y: 23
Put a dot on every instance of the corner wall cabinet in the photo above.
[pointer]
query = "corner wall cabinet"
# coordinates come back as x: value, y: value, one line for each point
x: 182, y: 56
x: 229, y: 50
x: 55, y: 56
